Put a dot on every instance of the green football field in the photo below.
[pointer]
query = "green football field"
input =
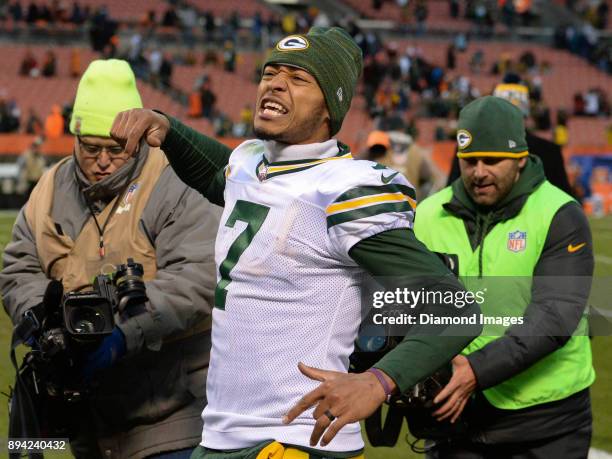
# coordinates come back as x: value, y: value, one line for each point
x: 602, y: 354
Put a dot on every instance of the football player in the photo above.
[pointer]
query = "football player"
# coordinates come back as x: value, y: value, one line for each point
x: 303, y: 222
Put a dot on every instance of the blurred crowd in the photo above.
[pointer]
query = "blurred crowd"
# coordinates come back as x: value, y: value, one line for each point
x: 53, y: 125
x: 52, y: 11
x: 203, y: 104
x: 10, y: 113
x: 484, y: 14
x: 595, y: 12
x: 31, y: 67
x: 593, y: 102
x: 400, y: 82
x: 585, y: 40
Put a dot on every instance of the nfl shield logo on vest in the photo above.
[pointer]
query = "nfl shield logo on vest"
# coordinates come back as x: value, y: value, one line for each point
x: 517, y: 241
x: 127, y: 199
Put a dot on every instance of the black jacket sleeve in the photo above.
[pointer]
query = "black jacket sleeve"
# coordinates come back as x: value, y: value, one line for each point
x: 397, y: 258
x: 560, y: 290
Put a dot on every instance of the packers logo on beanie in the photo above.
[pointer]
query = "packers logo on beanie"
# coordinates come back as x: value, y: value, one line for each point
x: 106, y: 88
x: 332, y: 57
x: 292, y: 42
x: 491, y: 126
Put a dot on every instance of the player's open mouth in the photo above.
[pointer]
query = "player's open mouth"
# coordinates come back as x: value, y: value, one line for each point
x: 270, y: 109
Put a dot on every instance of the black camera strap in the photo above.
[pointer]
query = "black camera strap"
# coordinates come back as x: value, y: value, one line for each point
x: 23, y: 420
x: 386, y: 434
x: 117, y: 201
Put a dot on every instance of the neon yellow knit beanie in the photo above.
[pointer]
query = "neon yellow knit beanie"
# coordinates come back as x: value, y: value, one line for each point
x: 106, y: 88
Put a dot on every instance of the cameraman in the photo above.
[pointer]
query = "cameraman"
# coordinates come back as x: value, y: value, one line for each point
x: 91, y: 212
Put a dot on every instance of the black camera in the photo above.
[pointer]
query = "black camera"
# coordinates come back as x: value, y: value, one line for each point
x: 415, y: 405
x: 62, y: 331
x: 64, y: 328
x: 89, y: 315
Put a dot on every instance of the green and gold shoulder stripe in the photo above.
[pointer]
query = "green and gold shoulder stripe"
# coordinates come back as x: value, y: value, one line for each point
x: 367, y: 201
x: 266, y: 170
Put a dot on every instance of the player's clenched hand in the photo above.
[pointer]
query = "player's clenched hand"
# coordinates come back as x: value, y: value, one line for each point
x: 340, y: 399
x: 132, y: 125
x: 457, y: 392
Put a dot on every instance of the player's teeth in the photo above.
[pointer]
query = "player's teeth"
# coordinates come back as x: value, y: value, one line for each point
x: 269, y: 111
x: 274, y: 106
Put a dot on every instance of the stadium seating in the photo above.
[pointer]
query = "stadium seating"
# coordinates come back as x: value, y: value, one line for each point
x: 233, y: 91
x: 388, y: 10
x: 558, y: 89
x: 356, y: 127
x: 122, y: 10
x: 200, y: 124
x: 237, y: 89
x: 438, y: 19
x: 246, y: 8
x: 41, y: 94
x: 13, y: 54
x: 568, y: 75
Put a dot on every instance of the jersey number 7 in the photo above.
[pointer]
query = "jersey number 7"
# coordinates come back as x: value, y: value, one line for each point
x: 253, y: 215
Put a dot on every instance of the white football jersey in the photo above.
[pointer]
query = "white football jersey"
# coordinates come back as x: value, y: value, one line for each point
x: 287, y: 290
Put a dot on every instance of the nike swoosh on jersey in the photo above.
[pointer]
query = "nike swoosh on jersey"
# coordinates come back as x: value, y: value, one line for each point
x: 387, y: 179
x: 575, y: 248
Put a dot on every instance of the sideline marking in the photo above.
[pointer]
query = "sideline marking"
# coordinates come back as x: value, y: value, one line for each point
x: 599, y: 454
x: 603, y: 259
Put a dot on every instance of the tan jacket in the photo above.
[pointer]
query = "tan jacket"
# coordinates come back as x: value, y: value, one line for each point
x: 77, y: 262
x: 151, y: 400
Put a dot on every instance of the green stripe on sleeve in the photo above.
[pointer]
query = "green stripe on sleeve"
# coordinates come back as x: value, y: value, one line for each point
x: 361, y: 191
x: 369, y: 211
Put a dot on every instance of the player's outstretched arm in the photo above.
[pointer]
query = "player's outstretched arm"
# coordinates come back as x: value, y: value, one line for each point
x: 195, y: 158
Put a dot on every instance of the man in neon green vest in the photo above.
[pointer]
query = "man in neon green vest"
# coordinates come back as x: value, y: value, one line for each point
x: 505, y: 226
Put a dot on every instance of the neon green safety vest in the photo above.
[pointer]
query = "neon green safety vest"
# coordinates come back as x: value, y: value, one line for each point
x: 511, y: 250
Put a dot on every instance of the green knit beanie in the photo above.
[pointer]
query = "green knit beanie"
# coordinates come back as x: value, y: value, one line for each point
x: 106, y: 88
x: 332, y: 57
x: 491, y: 126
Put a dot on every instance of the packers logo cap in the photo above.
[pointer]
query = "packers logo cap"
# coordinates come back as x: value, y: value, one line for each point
x: 293, y: 43
x: 491, y: 127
